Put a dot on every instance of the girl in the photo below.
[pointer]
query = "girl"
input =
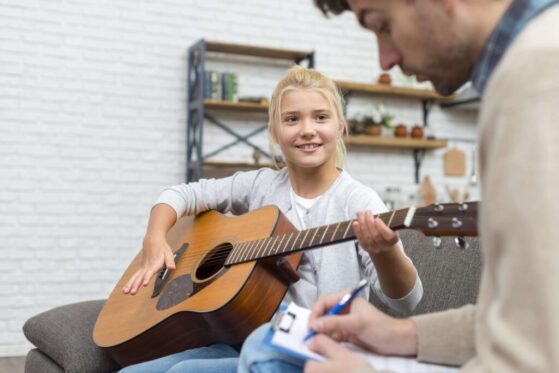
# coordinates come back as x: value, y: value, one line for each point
x: 306, y: 121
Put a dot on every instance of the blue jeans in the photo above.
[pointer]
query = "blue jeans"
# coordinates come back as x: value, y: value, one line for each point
x: 219, y: 358
x: 257, y: 357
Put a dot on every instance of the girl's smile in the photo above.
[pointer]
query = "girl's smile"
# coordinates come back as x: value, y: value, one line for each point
x: 308, y: 147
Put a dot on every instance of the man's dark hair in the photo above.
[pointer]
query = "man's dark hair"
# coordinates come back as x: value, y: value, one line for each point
x: 332, y: 6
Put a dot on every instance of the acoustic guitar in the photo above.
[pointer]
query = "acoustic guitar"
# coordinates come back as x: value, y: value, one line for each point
x: 231, y: 275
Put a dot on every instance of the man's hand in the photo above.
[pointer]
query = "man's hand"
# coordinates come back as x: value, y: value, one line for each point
x: 338, y: 358
x: 365, y: 326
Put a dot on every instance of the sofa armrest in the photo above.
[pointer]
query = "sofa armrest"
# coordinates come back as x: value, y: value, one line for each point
x: 64, y: 334
x: 37, y: 362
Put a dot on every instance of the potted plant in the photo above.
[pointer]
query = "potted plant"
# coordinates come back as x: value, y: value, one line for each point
x: 355, y: 125
x: 376, y: 118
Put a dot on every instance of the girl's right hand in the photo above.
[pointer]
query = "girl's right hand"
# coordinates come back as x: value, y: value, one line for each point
x: 156, y: 253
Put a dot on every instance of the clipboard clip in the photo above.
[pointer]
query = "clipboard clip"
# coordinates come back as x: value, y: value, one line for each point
x: 283, y: 321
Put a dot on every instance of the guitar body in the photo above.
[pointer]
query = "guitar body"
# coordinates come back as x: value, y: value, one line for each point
x: 200, y: 302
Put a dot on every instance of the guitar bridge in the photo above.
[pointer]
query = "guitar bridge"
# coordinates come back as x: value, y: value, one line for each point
x: 164, y: 273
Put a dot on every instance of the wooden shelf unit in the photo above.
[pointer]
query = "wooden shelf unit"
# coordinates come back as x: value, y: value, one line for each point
x: 236, y: 106
x: 427, y: 97
x: 257, y: 51
x: 217, y: 169
x: 389, y: 90
x: 394, y: 142
x: 218, y: 164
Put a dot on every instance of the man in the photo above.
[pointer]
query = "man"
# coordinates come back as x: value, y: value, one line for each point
x: 510, y: 51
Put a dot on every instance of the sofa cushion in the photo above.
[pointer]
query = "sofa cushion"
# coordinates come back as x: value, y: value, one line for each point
x: 64, y: 334
x: 450, y: 275
x: 37, y: 362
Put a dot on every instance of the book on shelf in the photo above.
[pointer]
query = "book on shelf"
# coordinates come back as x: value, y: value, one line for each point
x: 220, y: 86
x: 229, y: 87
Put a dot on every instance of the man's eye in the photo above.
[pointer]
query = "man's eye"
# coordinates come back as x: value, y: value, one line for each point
x: 384, y: 28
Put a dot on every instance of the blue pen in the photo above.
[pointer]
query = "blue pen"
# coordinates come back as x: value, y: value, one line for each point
x: 341, y: 304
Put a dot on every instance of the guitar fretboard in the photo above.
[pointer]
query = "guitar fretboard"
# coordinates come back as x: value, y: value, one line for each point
x: 288, y: 243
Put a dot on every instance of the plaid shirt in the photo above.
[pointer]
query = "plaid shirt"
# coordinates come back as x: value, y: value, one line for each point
x: 519, y: 13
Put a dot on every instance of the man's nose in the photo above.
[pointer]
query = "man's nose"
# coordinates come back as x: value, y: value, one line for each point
x: 389, y: 56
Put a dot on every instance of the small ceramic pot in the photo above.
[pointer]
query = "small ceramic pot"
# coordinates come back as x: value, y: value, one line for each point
x: 384, y: 78
x: 401, y: 130
x: 373, y: 129
x: 417, y: 132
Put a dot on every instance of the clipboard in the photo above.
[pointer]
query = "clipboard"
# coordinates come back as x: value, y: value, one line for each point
x: 290, y: 322
x: 289, y: 328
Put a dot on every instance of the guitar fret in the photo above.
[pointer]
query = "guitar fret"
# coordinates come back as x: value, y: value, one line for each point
x: 297, y: 238
x: 265, y: 243
x: 323, y: 234
x: 286, y: 246
x: 237, y: 252
x: 349, y: 224
x: 302, y: 246
x: 279, y: 244
x: 269, y: 244
x: 335, y: 230
x: 314, y: 235
x: 254, y: 247
x: 260, y: 248
x: 391, y: 217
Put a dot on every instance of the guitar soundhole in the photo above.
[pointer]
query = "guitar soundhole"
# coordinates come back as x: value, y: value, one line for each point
x: 213, y: 262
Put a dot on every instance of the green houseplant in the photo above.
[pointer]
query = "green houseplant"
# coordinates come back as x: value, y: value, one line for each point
x: 375, y: 118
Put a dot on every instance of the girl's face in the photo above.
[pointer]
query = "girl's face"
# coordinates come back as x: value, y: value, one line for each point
x: 308, y: 130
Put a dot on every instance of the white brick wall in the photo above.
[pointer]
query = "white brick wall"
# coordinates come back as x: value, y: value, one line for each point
x: 92, y: 125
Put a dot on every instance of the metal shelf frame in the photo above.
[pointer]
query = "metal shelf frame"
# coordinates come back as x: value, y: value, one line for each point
x: 196, y: 105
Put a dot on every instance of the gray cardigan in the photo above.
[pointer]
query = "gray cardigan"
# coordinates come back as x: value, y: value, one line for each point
x: 323, y: 271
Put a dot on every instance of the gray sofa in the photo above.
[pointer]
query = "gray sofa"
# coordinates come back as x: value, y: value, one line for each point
x: 63, y: 341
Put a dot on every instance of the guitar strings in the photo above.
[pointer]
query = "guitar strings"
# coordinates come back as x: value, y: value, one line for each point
x: 221, y: 254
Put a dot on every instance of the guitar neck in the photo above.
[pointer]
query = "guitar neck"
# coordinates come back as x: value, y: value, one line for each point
x: 312, y: 238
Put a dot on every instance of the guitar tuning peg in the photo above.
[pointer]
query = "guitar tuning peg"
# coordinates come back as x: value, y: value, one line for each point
x: 456, y: 223
x: 461, y: 243
x: 437, y: 242
x: 439, y: 207
x: 463, y: 207
x: 432, y: 223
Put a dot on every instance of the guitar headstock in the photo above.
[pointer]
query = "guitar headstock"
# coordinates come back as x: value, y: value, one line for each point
x: 446, y: 219
x: 463, y: 209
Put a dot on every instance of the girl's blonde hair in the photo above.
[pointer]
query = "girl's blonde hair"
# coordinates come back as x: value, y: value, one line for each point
x: 299, y: 77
